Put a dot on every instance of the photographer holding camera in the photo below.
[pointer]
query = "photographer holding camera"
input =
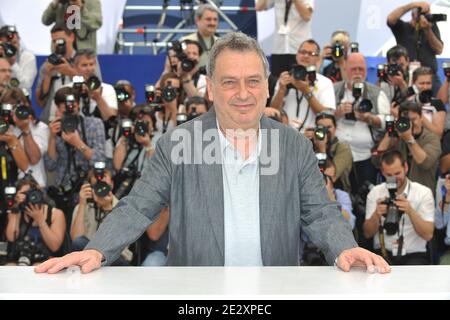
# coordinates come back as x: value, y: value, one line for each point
x: 416, y: 143
x: 303, y: 92
x: 325, y: 141
x: 393, y: 78
x: 57, y: 71
x: 75, y: 142
x: 23, y: 62
x: 90, y: 20
x: 400, y: 214
x: 360, y: 112
x: 36, y: 228
x: 165, y: 101
x: 337, y: 54
x: 420, y: 36
x: 32, y: 134
x: 5, y: 74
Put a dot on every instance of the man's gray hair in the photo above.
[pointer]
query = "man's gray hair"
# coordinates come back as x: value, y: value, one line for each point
x: 202, y: 8
x: 235, y: 41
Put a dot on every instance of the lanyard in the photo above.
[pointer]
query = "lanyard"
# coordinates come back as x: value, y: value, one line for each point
x: 286, y: 10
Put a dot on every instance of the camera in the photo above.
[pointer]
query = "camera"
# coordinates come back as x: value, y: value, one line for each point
x: 298, y: 72
x: 93, y: 83
x: 424, y: 97
x: 26, y: 252
x: 10, y: 193
x: 446, y: 67
x: 153, y: 98
x: 6, y: 117
x: 126, y: 128
x: 365, y: 106
x: 32, y: 196
x: 169, y: 93
x: 403, y: 124
x: 392, y: 218
x: 9, y: 49
x: 354, y: 47
x: 69, y: 120
x: 320, y: 132
x: 390, y: 125
x: 187, y: 65
x: 54, y: 59
x: 141, y: 127
x: 100, y: 188
x: 381, y: 72
x: 338, y: 50
x: 124, y: 181
x: 121, y: 93
x: 22, y: 112
x: 322, y: 160
x: 433, y: 18
x: 393, y: 69
x: 357, y: 89
x: 60, y: 51
x: 311, y: 74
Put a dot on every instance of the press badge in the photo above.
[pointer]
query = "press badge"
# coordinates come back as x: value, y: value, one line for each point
x: 284, y: 29
x: 395, y: 248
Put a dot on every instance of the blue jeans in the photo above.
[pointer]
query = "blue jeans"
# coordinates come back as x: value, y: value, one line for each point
x: 155, y: 259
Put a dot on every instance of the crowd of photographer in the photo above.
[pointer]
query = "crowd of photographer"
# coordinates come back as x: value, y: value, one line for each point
x: 383, y: 148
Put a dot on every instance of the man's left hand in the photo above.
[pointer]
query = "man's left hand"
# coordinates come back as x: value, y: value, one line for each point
x: 72, y: 138
x: 359, y: 257
x: 303, y: 86
x: 403, y: 204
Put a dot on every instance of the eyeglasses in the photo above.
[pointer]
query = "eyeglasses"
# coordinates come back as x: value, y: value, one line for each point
x: 309, y: 53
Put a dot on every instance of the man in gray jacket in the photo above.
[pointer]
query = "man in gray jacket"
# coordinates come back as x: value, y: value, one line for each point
x: 231, y: 203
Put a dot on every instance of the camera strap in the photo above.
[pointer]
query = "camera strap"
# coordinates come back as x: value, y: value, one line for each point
x: 203, y: 43
x: 287, y: 8
x: 299, y: 101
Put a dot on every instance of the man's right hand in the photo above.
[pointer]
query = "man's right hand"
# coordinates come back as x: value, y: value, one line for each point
x: 88, y: 260
x: 85, y: 193
x: 424, y: 6
x: 285, y: 79
x: 381, y: 208
x: 55, y: 126
x: 344, y: 108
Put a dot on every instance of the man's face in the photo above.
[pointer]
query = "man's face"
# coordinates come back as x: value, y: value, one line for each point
x: 307, y: 54
x: 5, y: 72
x: 239, y: 89
x: 192, y: 52
x: 207, y: 24
x: 356, y: 68
x: 424, y: 82
x: 328, y: 123
x: 86, y: 66
x: 396, y: 169
x: 416, y: 121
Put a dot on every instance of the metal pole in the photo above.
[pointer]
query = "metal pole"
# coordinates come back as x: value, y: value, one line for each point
x: 224, y: 17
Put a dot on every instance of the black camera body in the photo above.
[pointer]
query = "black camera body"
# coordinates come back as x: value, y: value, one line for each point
x: 121, y: 93
x: 153, y: 98
x: 26, y: 252
x: 425, y: 96
x: 187, y: 65
x: 93, y: 83
x: 60, y: 51
x: 22, y: 112
x: 5, y: 117
x: 141, y: 127
x: 32, y: 196
x: 69, y: 120
x: 434, y: 18
x: 393, y: 215
x: 9, y: 49
x: 55, y: 59
x: 394, y: 69
x: 365, y: 106
x: 298, y: 72
x: 357, y: 89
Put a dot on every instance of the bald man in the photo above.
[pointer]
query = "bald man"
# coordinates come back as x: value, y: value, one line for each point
x: 5, y: 73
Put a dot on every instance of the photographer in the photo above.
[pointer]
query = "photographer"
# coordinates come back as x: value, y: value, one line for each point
x: 34, y: 220
x: 336, y: 53
x: 360, y: 112
x: 416, y: 143
x: 400, y: 214
x: 207, y: 21
x: 32, y: 134
x: 420, y: 36
x: 56, y: 71
x: 172, y: 95
x: 193, y: 107
x: 75, y: 142
x: 311, y: 92
x: 91, y: 19
x: 134, y: 146
x: 394, y: 78
x: 23, y: 63
x: 5, y: 74
x: 325, y: 141
x: 441, y: 219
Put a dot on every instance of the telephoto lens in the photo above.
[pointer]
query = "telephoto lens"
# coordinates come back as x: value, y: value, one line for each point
x: 93, y: 83
x: 365, y: 106
x: 320, y: 132
x: 22, y: 112
x: 169, y: 93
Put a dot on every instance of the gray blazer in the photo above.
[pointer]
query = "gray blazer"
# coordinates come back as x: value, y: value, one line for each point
x: 295, y: 195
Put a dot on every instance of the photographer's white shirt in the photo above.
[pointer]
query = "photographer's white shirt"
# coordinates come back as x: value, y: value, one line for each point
x: 40, y: 133
x: 357, y: 133
x: 323, y: 91
x: 421, y: 200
